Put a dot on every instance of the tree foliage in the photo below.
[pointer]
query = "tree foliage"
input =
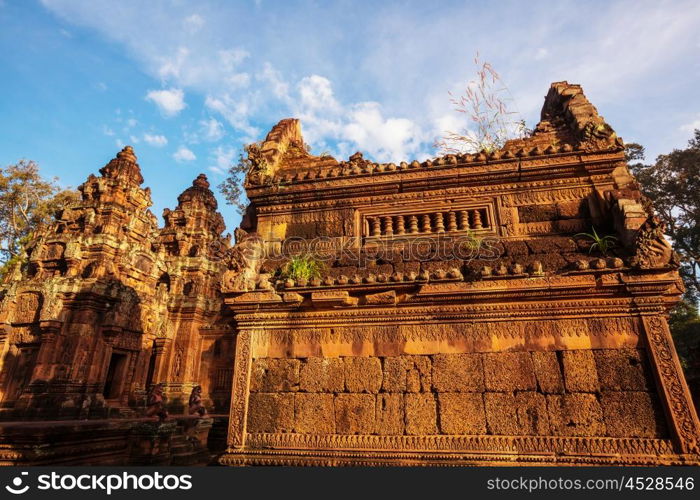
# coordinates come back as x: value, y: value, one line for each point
x: 672, y: 182
x: 232, y: 186
x: 490, y: 122
x: 27, y: 200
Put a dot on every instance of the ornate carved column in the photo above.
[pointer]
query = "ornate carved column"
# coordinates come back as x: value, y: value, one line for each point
x: 669, y: 377
x: 239, y: 392
x: 160, y: 370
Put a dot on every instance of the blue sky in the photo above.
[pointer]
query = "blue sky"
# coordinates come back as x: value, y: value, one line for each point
x: 188, y: 83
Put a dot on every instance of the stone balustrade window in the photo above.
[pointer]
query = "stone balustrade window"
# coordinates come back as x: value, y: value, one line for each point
x: 428, y: 223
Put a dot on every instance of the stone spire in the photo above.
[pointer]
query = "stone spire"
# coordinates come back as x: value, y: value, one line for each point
x: 124, y: 167
x: 199, y: 193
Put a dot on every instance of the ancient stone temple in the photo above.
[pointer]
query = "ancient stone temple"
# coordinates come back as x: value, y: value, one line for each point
x: 460, y: 319
x: 459, y: 315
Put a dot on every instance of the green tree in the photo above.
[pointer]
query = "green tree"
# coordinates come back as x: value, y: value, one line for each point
x: 672, y: 183
x: 27, y: 200
x: 232, y: 186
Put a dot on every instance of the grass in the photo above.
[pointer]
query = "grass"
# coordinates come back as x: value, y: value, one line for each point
x: 302, y: 267
x: 603, y: 242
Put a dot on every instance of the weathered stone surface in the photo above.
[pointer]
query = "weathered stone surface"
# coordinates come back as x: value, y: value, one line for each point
x: 548, y: 372
x: 363, y: 374
x: 501, y: 413
x: 271, y: 412
x: 418, y: 377
x: 314, y: 413
x: 273, y: 375
x: 322, y: 375
x: 421, y: 414
x: 531, y: 410
x: 395, y: 369
x: 458, y: 373
x: 576, y: 414
x: 461, y: 413
x: 381, y: 298
x: 622, y: 370
x: 355, y: 413
x: 632, y: 414
x: 509, y: 371
x: 580, y: 374
x: 390, y: 414
x: 393, y: 338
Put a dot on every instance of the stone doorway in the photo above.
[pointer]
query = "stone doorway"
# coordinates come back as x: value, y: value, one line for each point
x: 115, y: 376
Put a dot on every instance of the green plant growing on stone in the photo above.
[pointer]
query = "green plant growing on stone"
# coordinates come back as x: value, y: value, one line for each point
x: 490, y: 123
x: 602, y: 242
x: 471, y: 241
x: 302, y: 268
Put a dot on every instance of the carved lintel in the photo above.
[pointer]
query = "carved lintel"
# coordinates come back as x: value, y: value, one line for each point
x: 388, y: 297
x: 256, y: 298
x: 110, y: 332
x: 292, y: 297
x: 678, y: 403
x: 333, y: 298
x: 49, y: 329
x: 238, y: 415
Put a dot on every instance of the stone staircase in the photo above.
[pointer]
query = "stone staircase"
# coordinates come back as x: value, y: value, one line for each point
x: 187, y: 450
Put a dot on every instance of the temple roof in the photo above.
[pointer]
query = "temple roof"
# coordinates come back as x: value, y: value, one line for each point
x: 569, y: 122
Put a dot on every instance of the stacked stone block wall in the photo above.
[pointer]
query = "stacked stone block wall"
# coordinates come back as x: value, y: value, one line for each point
x: 604, y: 392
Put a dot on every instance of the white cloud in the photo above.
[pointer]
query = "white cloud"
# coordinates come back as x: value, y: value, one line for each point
x: 690, y: 126
x: 250, y: 78
x: 133, y: 139
x: 107, y: 131
x: 236, y: 111
x: 356, y: 126
x: 184, y: 154
x: 212, y: 129
x: 193, y: 23
x: 169, y: 101
x: 155, y: 140
x: 222, y: 157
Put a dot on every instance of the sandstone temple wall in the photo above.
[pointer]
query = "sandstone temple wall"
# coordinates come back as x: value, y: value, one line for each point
x: 457, y: 316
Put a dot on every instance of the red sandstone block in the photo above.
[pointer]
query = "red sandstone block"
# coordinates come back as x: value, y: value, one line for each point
x: 580, y: 373
x: 462, y: 413
x: 548, y: 372
x: 501, y: 413
x: 322, y: 375
x: 458, y: 373
x: 531, y: 410
x: 577, y: 414
x: 395, y: 369
x: 421, y: 414
x: 632, y: 414
x: 389, y: 418
x: 314, y: 413
x: 363, y: 374
x: 355, y: 413
x: 509, y: 371
x: 274, y: 375
x: 271, y: 412
x: 622, y: 369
